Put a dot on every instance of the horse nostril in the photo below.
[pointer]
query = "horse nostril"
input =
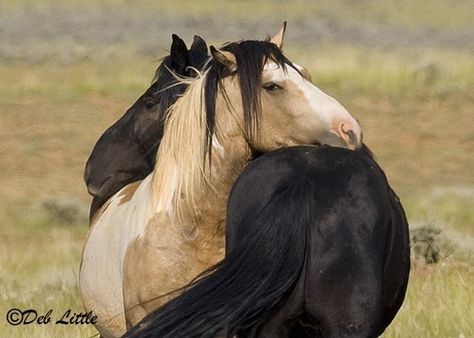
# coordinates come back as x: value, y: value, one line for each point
x: 348, y: 132
x: 345, y: 131
x: 348, y: 135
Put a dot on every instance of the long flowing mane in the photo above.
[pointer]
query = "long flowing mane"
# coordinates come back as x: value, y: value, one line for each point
x: 166, y: 86
x: 181, y: 156
x: 185, y: 151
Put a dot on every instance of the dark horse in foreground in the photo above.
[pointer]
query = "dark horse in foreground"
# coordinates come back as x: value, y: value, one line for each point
x: 317, y: 246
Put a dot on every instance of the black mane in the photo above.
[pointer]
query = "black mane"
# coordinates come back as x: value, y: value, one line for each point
x: 251, y: 56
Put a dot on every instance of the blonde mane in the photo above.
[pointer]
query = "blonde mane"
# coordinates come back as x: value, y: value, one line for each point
x: 181, y: 159
x: 181, y: 169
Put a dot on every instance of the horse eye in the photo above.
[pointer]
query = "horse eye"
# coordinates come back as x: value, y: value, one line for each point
x: 149, y: 102
x: 272, y: 87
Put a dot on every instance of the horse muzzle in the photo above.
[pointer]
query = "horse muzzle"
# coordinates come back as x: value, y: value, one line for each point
x: 349, y: 132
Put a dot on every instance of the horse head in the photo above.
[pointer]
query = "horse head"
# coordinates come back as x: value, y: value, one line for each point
x: 126, y: 152
x: 274, y: 101
x: 165, y: 90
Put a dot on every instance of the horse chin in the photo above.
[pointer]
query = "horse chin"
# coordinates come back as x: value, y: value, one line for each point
x: 257, y: 153
x: 331, y: 140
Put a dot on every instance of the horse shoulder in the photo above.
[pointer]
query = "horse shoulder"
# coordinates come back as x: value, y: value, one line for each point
x: 147, y: 259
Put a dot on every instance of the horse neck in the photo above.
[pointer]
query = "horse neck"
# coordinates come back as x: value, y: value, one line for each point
x: 229, y: 155
x: 228, y: 160
x: 192, y: 194
x: 207, y: 218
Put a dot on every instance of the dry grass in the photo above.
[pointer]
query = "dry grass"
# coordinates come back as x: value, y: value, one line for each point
x: 38, y: 270
x: 441, y: 13
x: 50, y: 118
x: 438, y: 304
x: 414, y: 105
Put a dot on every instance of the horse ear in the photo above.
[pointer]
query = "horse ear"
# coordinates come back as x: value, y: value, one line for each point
x: 179, y: 55
x: 225, y: 58
x: 278, y: 38
x: 199, y: 45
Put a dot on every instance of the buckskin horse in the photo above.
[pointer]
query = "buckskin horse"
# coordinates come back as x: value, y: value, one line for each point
x: 317, y: 246
x: 155, y: 236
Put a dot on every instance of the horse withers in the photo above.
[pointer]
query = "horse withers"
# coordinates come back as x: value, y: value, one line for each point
x: 317, y: 246
x: 155, y: 236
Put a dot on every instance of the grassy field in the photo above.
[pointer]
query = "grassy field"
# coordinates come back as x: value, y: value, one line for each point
x: 57, y: 95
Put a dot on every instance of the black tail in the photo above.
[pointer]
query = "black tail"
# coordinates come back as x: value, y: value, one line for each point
x: 243, y: 290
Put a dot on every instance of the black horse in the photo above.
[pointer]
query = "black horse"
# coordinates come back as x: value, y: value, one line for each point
x: 317, y: 246
x: 126, y: 152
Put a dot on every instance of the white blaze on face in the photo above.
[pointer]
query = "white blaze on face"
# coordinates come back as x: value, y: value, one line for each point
x: 319, y: 111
